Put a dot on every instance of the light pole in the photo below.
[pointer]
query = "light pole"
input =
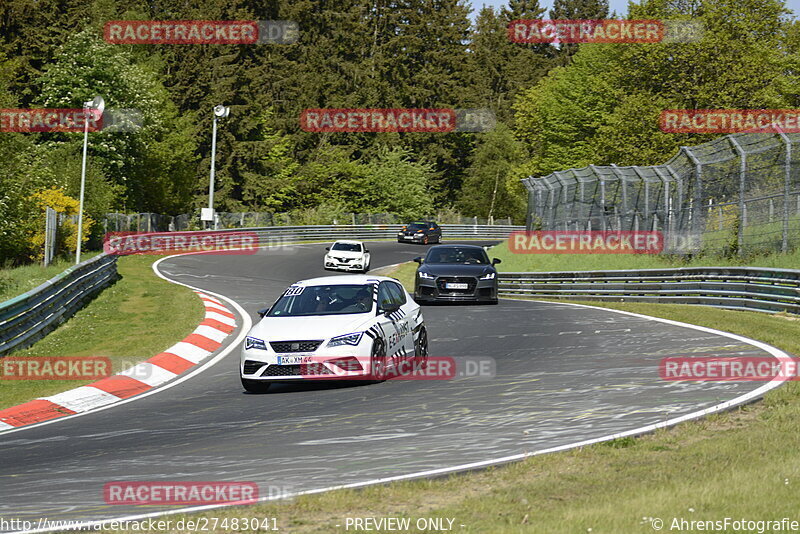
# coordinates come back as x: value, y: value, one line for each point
x: 95, y: 107
x: 220, y: 112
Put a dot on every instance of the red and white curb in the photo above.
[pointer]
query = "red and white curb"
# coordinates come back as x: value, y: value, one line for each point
x: 217, y: 325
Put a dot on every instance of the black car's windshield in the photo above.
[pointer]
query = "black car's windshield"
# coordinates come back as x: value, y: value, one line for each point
x: 417, y: 226
x: 299, y: 301
x: 347, y: 247
x: 472, y: 256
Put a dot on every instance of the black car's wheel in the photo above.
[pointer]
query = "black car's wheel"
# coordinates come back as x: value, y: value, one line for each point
x: 255, y: 386
x: 421, y: 349
x: 377, y: 361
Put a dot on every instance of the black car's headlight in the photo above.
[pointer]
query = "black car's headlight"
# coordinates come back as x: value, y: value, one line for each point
x: 426, y: 276
x: 488, y: 276
x: 254, y: 343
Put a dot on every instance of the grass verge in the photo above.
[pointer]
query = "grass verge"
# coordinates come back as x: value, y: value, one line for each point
x: 130, y: 321
x: 18, y: 280
x: 599, y: 262
x: 739, y: 464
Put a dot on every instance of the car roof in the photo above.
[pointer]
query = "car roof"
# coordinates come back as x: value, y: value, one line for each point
x: 456, y: 245
x: 342, y: 280
x: 348, y: 241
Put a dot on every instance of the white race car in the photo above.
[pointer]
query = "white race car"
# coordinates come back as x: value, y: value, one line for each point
x: 335, y: 327
x: 347, y: 256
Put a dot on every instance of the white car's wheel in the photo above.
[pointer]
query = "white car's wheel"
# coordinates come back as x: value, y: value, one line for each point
x: 377, y: 361
x: 421, y: 349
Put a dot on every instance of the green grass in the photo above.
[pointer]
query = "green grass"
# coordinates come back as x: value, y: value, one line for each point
x: 134, y: 319
x: 512, y: 262
x: 743, y: 463
x: 18, y: 280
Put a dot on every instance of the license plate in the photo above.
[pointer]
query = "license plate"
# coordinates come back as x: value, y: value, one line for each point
x: 293, y: 359
x: 456, y: 286
x: 409, y: 237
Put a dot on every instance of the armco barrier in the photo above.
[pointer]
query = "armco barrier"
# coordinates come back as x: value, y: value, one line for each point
x: 737, y: 288
x: 30, y: 316
x: 275, y: 234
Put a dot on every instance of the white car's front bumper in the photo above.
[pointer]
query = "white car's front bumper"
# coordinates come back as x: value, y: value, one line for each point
x: 352, y: 265
x: 256, y: 364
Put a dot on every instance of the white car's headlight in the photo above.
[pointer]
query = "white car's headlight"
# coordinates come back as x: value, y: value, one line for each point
x: 254, y: 343
x: 423, y: 274
x: 489, y: 276
x: 347, y: 339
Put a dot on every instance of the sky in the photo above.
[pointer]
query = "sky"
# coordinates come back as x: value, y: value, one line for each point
x: 620, y: 6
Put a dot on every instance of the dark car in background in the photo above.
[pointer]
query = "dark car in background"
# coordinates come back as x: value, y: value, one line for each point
x: 420, y: 232
x: 456, y: 273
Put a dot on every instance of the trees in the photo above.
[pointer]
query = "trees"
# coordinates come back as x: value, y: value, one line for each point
x: 151, y: 167
x: 491, y: 188
x: 604, y: 106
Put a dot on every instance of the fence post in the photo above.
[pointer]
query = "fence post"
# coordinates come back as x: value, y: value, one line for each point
x: 786, y: 186
x: 742, y: 185
x: 562, y: 186
x: 603, y: 203
x: 697, y: 197
x: 49, y: 234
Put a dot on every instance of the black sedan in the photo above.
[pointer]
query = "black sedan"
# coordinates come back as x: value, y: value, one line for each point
x: 456, y: 273
x: 420, y: 232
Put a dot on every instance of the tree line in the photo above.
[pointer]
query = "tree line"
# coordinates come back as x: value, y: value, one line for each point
x: 556, y: 106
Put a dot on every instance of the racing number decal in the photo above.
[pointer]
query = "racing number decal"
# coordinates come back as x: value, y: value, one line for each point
x: 294, y: 290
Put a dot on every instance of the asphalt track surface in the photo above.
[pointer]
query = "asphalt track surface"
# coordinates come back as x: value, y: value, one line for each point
x: 563, y: 374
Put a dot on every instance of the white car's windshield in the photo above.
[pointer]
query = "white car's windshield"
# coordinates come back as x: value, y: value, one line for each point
x: 347, y: 247
x: 300, y: 301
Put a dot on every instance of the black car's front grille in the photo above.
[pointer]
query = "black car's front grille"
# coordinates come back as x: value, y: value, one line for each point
x: 251, y: 367
x: 304, y: 369
x: 295, y: 346
x: 442, y: 282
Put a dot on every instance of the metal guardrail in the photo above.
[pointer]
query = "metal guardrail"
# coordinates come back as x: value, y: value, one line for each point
x: 374, y: 231
x: 29, y: 317
x: 737, y: 288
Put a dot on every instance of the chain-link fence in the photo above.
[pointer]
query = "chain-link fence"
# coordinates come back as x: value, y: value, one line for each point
x: 739, y: 193
x: 153, y: 222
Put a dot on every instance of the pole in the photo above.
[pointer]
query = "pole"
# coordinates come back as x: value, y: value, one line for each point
x: 83, y: 184
x: 213, y: 164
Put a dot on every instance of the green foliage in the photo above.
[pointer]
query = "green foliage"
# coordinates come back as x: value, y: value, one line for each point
x: 604, y: 106
x: 492, y: 189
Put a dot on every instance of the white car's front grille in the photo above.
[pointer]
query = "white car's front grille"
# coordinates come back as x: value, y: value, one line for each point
x: 295, y: 346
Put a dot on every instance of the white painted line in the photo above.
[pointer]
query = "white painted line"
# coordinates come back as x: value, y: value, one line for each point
x: 209, y: 297
x: 6, y: 426
x: 82, y: 398
x: 211, y: 333
x: 190, y: 352
x: 214, y: 308
x: 150, y: 374
x: 742, y: 399
x: 221, y: 318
